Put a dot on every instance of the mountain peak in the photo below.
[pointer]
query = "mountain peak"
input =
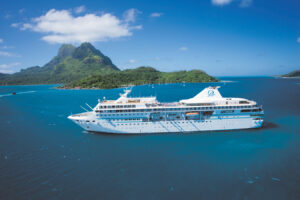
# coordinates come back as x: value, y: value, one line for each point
x: 87, y: 45
x: 71, y: 63
x: 66, y: 50
x: 86, y: 49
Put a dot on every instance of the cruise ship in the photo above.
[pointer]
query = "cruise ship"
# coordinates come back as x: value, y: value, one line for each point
x: 207, y: 111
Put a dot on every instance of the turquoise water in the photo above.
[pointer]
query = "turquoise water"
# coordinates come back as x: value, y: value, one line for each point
x: 43, y: 155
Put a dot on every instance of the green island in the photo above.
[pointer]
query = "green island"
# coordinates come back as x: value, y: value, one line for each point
x: 140, y: 76
x: 293, y: 74
x: 86, y: 67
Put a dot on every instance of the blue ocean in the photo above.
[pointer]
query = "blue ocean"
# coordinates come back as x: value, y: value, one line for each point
x: 44, y: 155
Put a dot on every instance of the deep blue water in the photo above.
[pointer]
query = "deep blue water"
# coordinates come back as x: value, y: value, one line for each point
x: 43, y: 155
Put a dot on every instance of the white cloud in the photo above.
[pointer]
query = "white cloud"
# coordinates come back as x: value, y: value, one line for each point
x: 22, y: 10
x: 59, y: 26
x: 6, y: 47
x: 183, y: 48
x: 157, y: 58
x: 132, y: 61
x: 298, y: 40
x: 5, y: 66
x: 220, y: 2
x: 156, y: 14
x: 7, y: 16
x: 131, y: 14
x: 9, y: 68
x: 15, y: 25
x: 1, y: 40
x: 79, y: 9
x: 245, y: 3
x: 138, y: 27
x: 26, y: 26
x: 6, y: 54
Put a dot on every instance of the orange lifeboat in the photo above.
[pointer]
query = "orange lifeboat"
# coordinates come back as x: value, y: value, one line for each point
x: 192, y: 113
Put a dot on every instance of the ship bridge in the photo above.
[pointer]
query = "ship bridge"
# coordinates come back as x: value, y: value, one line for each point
x: 126, y: 102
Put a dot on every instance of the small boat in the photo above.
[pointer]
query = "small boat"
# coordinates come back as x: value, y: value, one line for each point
x: 13, y: 93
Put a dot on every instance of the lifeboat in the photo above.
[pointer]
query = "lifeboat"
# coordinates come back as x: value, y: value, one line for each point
x: 192, y: 113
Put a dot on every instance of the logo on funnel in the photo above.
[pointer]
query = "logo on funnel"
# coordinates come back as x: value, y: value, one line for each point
x: 211, y: 93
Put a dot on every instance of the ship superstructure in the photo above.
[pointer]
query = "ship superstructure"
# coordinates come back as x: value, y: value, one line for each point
x: 207, y: 111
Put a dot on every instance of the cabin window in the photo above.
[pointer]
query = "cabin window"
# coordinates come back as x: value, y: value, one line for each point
x: 256, y: 110
x: 208, y: 113
x: 227, y: 111
x: 246, y: 110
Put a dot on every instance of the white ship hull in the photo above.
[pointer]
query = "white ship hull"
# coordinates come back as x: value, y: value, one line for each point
x: 207, y: 111
x: 181, y: 126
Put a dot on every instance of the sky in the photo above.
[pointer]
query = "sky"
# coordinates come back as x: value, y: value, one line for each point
x: 221, y: 37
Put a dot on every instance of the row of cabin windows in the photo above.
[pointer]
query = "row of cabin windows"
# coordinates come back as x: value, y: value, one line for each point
x: 122, y: 114
x: 130, y: 119
x: 209, y: 104
x: 182, y: 122
x: 118, y: 106
x: 199, y: 104
x: 134, y: 106
x: 204, y: 113
x: 254, y: 110
x: 175, y: 109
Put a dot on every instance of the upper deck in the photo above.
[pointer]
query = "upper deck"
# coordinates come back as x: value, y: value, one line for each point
x: 209, y: 97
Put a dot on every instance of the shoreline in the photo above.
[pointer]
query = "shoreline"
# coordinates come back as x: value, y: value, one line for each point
x: 62, y: 88
x: 290, y: 77
x: 130, y: 86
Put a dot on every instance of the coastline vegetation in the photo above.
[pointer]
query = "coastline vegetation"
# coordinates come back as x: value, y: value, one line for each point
x: 293, y: 74
x: 140, y: 76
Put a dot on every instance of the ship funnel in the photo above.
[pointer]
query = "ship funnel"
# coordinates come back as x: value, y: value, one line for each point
x: 207, y: 94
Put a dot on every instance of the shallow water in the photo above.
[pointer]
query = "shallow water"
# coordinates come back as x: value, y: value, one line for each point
x: 43, y: 155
